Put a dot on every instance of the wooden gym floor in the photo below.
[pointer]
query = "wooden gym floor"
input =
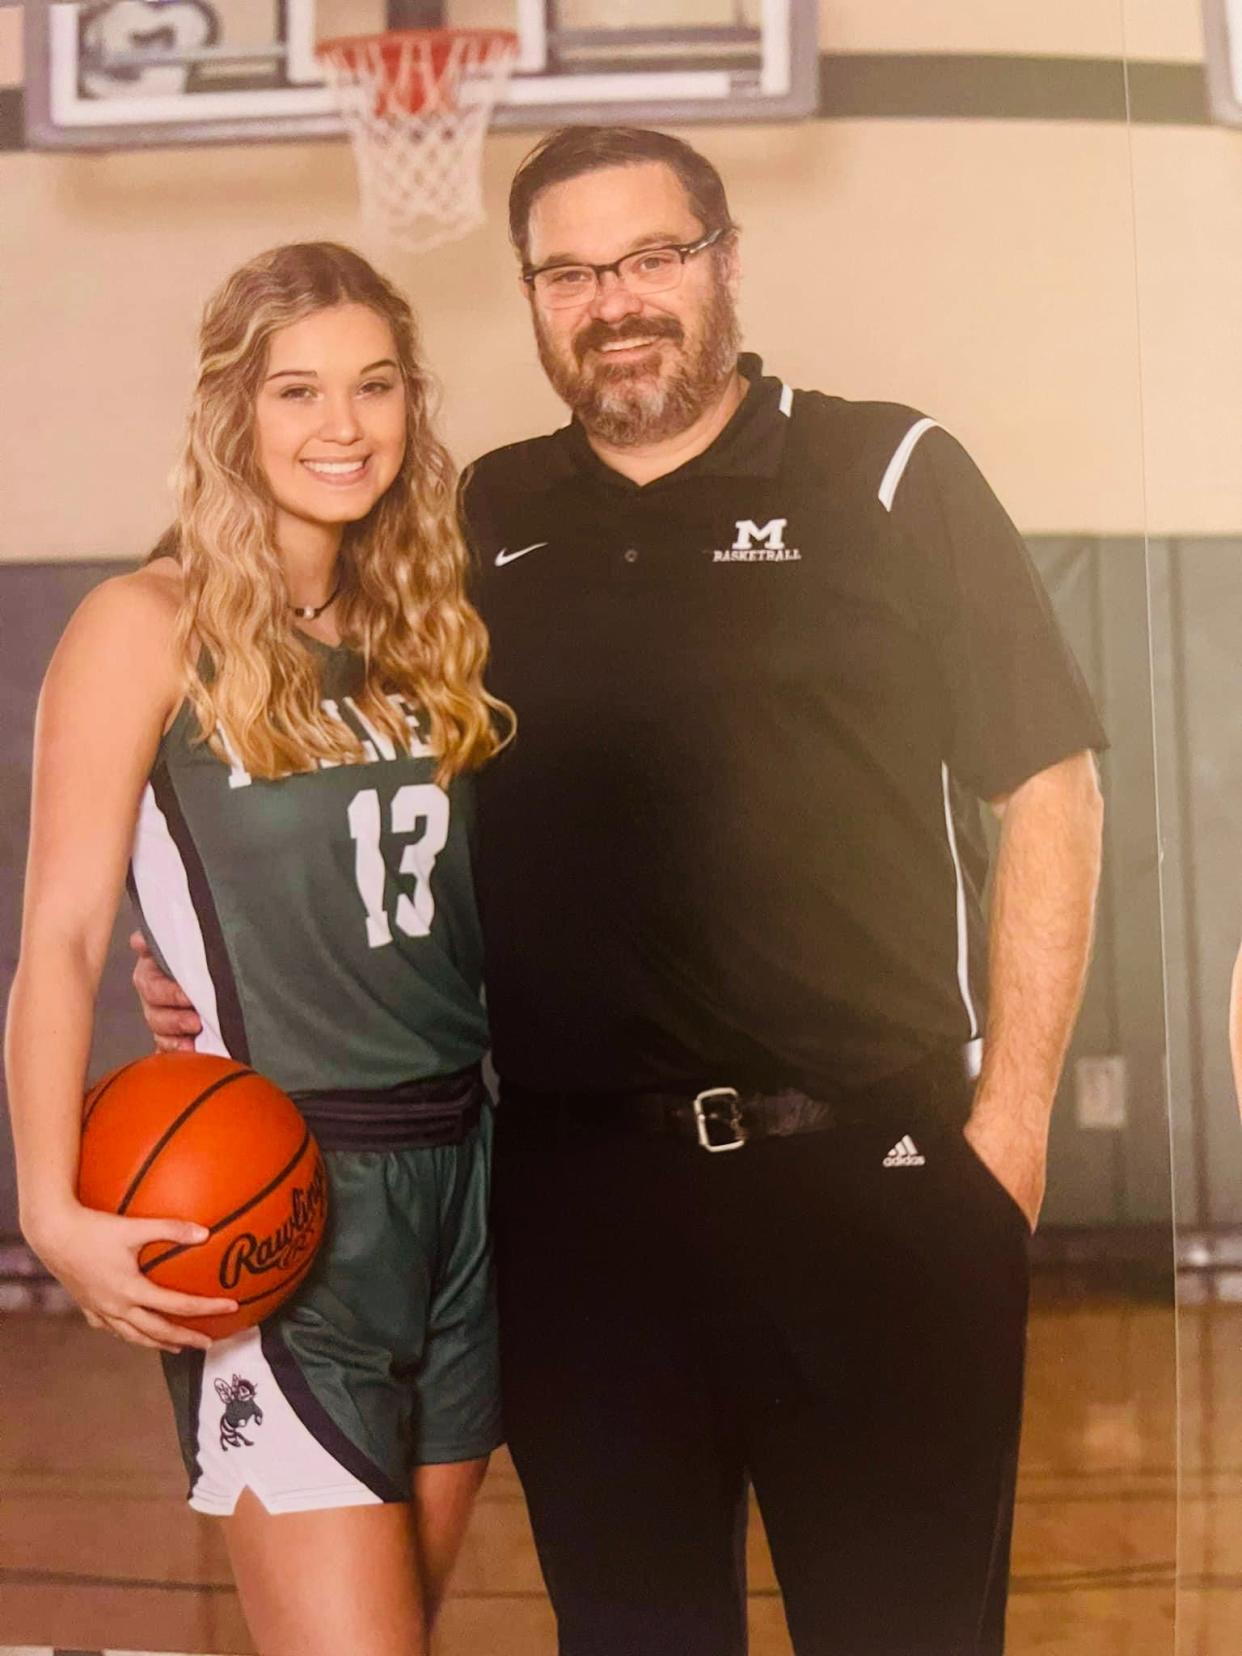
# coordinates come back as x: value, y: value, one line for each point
x: 98, y: 1549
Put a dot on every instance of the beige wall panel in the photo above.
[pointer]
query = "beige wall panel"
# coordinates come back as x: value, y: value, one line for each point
x: 346, y: 17
x: 107, y: 261
x: 1171, y: 29
x: 10, y: 46
x: 1188, y: 196
x: 1078, y: 28
x: 1164, y: 29
x: 983, y: 272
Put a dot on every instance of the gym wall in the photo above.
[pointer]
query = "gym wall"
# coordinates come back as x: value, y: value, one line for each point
x: 982, y: 269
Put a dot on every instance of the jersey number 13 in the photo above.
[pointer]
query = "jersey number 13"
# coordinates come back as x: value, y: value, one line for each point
x: 419, y: 813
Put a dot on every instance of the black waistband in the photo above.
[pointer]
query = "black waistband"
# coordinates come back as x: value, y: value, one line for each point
x: 937, y: 1089
x: 412, y: 1115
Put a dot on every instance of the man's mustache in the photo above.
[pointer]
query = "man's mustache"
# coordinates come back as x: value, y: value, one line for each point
x: 599, y: 333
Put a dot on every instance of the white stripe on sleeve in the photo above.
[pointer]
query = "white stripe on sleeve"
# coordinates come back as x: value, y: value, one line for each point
x: 963, y: 925
x: 901, y: 459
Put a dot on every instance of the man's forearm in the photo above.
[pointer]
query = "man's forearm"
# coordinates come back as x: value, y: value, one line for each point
x: 1043, y: 908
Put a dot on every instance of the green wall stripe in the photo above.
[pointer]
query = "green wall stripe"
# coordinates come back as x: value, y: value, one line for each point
x: 12, y: 135
x: 981, y: 87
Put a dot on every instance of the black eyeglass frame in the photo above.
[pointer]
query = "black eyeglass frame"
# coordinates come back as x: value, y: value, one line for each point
x: 684, y: 250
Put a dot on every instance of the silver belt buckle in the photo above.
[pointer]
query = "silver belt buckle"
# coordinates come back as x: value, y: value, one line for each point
x: 733, y: 1122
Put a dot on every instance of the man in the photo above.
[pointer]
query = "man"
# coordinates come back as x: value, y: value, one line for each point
x: 755, y: 1220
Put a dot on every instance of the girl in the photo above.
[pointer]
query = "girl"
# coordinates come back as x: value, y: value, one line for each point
x: 273, y: 728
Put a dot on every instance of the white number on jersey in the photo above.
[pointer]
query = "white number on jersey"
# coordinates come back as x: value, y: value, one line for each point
x: 420, y: 814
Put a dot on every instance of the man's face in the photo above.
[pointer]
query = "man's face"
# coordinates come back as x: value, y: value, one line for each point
x: 634, y: 369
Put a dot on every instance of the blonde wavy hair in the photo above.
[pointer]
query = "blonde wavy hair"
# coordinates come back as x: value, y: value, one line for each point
x: 252, y: 680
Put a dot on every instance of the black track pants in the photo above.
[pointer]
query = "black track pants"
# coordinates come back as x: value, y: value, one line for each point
x: 844, y: 1335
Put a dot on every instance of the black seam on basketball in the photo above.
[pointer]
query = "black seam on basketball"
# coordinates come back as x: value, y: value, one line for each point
x: 297, y: 1392
x: 171, y: 1131
x: 285, y: 1287
x: 219, y: 962
x: 183, y: 1247
x: 105, y: 1086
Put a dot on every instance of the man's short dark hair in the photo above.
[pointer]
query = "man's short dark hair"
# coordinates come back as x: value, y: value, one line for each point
x: 571, y: 151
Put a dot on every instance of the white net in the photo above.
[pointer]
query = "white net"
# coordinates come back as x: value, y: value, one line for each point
x: 417, y: 105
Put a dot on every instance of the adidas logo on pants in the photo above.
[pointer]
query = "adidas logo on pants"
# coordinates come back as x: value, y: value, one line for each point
x: 905, y: 1153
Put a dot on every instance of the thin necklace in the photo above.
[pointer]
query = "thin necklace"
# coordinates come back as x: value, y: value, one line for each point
x: 307, y: 612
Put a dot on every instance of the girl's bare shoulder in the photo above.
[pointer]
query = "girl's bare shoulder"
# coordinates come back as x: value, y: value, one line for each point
x: 127, y: 624
x: 142, y: 602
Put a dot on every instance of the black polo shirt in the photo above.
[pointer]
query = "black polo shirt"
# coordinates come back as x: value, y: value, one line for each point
x: 737, y: 838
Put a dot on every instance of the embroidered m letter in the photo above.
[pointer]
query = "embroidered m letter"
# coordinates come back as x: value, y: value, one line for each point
x: 772, y: 535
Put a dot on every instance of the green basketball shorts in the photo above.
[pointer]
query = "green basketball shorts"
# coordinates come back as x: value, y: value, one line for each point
x: 384, y: 1360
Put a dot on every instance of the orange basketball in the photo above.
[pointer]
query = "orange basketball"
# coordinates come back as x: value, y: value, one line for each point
x: 183, y: 1135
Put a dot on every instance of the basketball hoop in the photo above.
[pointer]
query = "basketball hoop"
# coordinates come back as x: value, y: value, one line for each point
x: 416, y: 104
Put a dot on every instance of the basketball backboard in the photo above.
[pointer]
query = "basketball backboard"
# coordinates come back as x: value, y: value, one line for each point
x: 123, y: 73
x: 1222, y: 32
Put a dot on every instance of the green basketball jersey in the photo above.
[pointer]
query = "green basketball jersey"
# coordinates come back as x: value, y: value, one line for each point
x: 323, y: 924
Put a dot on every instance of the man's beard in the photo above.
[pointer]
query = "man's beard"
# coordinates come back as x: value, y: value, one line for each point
x: 624, y: 403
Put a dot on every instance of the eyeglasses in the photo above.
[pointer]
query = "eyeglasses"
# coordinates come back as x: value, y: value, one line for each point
x: 650, y: 270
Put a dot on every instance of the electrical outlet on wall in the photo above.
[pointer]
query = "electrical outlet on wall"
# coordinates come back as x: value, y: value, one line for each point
x: 1100, y: 1086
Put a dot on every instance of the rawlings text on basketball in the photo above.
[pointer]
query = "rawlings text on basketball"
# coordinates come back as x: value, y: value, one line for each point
x: 283, y: 1247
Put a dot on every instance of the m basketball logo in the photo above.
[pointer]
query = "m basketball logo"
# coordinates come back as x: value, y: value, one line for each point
x: 759, y: 543
x: 240, y: 1409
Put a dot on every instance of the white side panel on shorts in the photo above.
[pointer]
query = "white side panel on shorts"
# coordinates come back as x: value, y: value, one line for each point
x: 168, y: 909
x: 901, y: 459
x: 249, y: 1437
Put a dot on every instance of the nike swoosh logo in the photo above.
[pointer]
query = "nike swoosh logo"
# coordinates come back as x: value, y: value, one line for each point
x: 504, y: 556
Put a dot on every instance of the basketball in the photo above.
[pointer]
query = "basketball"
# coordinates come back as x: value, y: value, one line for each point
x: 184, y: 1135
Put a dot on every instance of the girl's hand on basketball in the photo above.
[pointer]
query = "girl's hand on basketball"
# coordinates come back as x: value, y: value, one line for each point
x: 95, y: 1256
x: 167, y: 1009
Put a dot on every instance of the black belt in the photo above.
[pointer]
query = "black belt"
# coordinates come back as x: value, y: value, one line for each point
x: 413, y: 1115
x: 937, y: 1088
